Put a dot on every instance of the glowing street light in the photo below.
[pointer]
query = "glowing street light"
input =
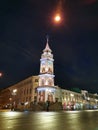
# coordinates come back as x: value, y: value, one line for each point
x: 1, y: 74
x: 14, y: 93
x: 15, y: 90
x: 72, y: 95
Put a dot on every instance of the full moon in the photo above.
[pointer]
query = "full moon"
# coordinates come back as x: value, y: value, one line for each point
x: 57, y: 18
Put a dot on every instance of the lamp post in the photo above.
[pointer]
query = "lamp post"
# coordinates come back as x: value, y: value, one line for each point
x: 14, y: 93
x: 89, y: 105
x: 72, y: 102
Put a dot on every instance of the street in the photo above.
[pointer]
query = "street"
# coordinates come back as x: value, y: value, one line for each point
x: 64, y: 120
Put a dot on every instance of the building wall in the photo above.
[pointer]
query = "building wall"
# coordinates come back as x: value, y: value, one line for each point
x: 4, y: 98
x: 26, y: 93
x: 73, y: 100
x: 22, y: 93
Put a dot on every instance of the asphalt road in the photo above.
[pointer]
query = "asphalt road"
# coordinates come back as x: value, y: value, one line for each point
x: 65, y: 120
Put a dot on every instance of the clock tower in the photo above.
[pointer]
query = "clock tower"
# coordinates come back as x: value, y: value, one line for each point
x: 46, y: 88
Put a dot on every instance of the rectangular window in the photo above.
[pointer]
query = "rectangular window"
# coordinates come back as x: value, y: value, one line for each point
x: 35, y: 90
x: 36, y: 80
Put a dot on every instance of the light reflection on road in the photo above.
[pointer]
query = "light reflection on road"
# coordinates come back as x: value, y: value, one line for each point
x: 65, y: 120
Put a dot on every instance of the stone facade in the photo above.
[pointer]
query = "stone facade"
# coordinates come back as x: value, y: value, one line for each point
x: 40, y: 89
x: 21, y: 94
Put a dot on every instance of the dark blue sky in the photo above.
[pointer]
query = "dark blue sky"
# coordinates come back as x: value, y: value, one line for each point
x: 24, y: 25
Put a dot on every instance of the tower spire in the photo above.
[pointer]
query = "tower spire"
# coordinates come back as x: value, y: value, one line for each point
x: 47, y: 37
x: 47, y: 48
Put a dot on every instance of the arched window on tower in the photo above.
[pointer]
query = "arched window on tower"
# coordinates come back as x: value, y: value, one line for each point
x: 43, y: 70
x: 42, y: 81
x: 50, y: 82
x: 49, y: 70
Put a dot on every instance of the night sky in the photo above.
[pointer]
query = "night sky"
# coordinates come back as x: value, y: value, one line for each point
x: 24, y: 25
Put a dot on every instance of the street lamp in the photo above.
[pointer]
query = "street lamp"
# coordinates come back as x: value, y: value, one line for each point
x: 88, y: 98
x: 72, y: 95
x: 14, y: 93
x: 1, y: 74
x: 10, y: 101
x: 72, y: 102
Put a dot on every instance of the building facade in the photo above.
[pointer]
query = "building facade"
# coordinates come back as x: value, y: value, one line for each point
x: 20, y: 95
x: 41, y: 88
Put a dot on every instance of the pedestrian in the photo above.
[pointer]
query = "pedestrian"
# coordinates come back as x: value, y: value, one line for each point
x: 47, y: 105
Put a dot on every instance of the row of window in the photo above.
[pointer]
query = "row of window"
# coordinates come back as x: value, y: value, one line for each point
x: 69, y: 94
x: 27, y: 91
x: 27, y: 99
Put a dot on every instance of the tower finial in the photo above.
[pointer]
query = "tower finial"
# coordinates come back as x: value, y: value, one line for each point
x: 47, y: 37
x: 47, y: 48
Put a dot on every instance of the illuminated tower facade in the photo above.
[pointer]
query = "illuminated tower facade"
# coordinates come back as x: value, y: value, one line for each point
x: 46, y: 88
